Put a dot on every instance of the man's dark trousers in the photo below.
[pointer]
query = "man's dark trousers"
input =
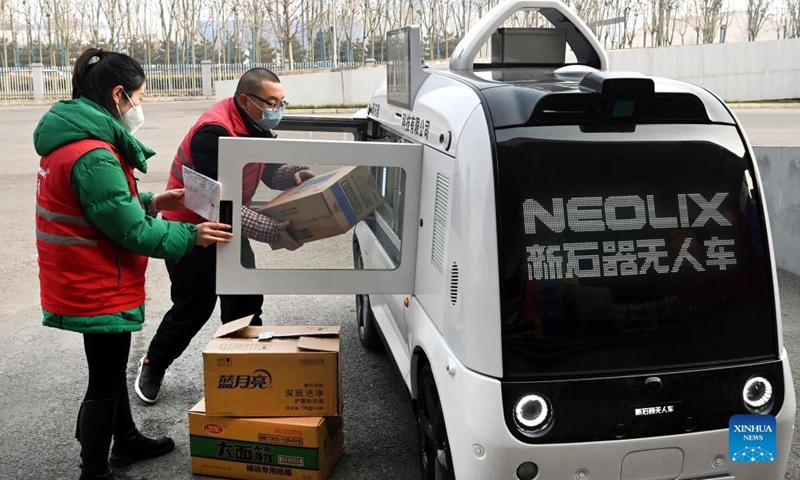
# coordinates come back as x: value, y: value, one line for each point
x: 194, y: 297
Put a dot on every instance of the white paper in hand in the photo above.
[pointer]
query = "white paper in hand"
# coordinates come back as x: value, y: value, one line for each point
x: 201, y: 194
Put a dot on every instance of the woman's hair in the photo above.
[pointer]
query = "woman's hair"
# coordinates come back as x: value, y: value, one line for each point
x: 97, y: 72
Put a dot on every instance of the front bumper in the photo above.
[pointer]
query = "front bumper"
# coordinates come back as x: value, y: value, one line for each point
x: 482, y: 447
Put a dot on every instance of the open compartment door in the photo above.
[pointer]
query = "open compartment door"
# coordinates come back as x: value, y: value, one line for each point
x: 236, y: 153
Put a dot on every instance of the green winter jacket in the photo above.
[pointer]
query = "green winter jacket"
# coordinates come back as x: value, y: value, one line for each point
x: 101, y: 186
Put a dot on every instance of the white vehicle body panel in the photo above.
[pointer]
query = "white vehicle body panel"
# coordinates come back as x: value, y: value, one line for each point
x: 432, y: 271
x: 474, y: 249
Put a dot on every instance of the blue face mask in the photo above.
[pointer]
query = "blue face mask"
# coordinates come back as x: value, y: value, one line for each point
x: 269, y: 118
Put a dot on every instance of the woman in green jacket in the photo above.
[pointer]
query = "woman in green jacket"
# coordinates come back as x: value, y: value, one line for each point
x: 94, y: 233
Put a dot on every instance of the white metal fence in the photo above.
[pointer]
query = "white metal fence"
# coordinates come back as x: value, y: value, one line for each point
x: 37, y: 82
x: 174, y: 80
x: 16, y: 83
x: 57, y: 82
x: 228, y: 71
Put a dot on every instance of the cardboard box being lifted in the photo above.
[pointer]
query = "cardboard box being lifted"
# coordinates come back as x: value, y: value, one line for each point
x: 305, y: 448
x: 327, y: 205
x: 286, y: 371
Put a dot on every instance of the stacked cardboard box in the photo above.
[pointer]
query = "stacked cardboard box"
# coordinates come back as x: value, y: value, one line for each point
x: 272, y: 406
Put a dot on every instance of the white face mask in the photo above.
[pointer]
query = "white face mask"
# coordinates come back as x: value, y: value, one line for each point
x: 133, y: 119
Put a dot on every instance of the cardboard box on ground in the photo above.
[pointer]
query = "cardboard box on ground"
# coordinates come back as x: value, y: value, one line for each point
x: 272, y: 371
x: 305, y: 448
x: 326, y: 205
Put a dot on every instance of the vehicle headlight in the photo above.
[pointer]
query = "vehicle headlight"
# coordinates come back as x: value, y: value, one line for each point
x: 533, y: 414
x: 757, y: 393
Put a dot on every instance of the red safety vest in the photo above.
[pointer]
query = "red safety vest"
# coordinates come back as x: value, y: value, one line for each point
x: 81, y: 271
x: 225, y: 114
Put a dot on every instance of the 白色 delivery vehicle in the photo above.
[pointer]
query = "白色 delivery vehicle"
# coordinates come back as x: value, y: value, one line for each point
x: 572, y: 267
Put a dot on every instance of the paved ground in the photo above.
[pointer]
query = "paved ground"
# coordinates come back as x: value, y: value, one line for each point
x: 42, y: 371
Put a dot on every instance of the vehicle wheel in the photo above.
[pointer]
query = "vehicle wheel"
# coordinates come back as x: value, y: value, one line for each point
x: 367, y: 329
x: 435, y: 459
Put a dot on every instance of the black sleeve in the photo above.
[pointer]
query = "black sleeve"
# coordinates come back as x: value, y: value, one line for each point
x: 205, y: 149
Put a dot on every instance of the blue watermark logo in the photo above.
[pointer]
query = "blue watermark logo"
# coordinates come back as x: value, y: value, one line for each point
x: 752, y: 438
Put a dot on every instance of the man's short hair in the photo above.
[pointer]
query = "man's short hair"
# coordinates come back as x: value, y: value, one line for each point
x: 253, y: 78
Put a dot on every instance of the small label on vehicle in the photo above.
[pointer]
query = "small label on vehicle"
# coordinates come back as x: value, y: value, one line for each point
x: 654, y: 410
x: 752, y: 438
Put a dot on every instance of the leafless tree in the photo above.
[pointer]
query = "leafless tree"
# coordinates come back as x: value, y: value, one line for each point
x: 427, y: 18
x: 91, y: 13
x: 65, y: 24
x: 633, y: 19
x: 647, y: 25
x: 709, y: 17
x: 443, y: 8
x: 370, y: 10
x: 339, y: 19
x: 187, y: 25
x: 48, y: 14
x: 791, y: 23
x: 83, y: 22
x: 142, y: 31
x: 401, y: 12
x: 313, y: 19
x: 605, y: 22
x: 590, y: 11
x: 462, y: 16
x: 626, y: 21
x: 284, y: 17
x: 349, y: 12
x: 129, y: 40
x: 26, y: 15
x: 389, y: 14
x: 757, y: 14
x: 220, y: 15
x: 113, y: 14
x: 390, y: 21
x: 662, y: 20
x: 122, y: 24
x: 3, y: 12
x: 684, y: 23
x: 254, y: 11
x: 39, y: 18
x: 166, y: 10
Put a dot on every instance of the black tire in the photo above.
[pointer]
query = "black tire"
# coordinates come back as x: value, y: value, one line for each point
x: 436, y: 462
x: 367, y: 329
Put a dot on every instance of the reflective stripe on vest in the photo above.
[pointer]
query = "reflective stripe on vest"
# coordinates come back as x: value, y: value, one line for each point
x: 184, y: 162
x: 61, y: 217
x: 64, y: 240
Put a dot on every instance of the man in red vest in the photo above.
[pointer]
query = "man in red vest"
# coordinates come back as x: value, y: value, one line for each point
x: 253, y: 111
